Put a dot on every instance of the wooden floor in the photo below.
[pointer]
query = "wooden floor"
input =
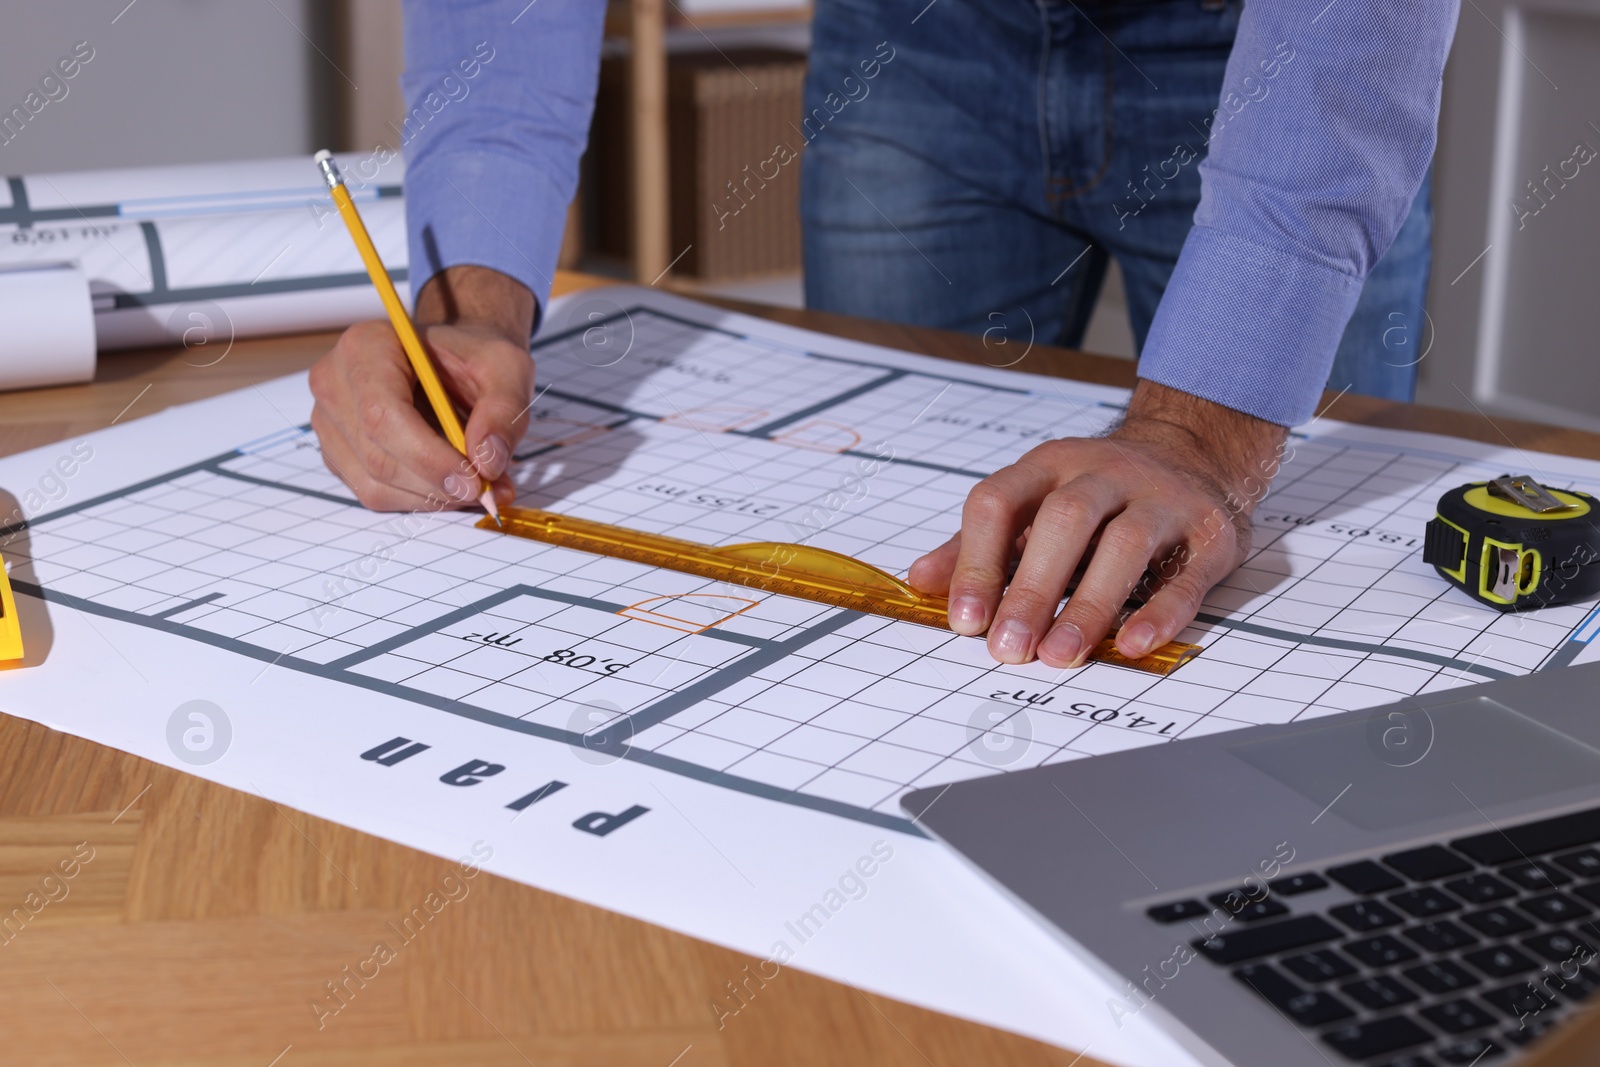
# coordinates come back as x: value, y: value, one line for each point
x: 151, y: 919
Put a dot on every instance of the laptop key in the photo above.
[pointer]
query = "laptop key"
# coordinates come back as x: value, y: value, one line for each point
x: 1253, y: 942
x: 1566, y: 980
x: 1469, y: 1051
x: 1425, y: 903
x: 1380, y: 951
x: 1535, y: 876
x: 1526, y: 1032
x: 1459, y: 1016
x: 1481, y: 889
x: 1441, y: 936
x: 1580, y: 985
x: 1497, y: 922
x: 1321, y: 965
x: 1554, y: 908
x: 1177, y: 911
x: 1502, y: 961
x: 1427, y: 864
x: 1232, y: 900
x: 1295, y: 884
x: 1442, y: 976
x: 1410, y: 1061
x: 1379, y: 992
x: 1365, y: 878
x: 1558, y: 947
x: 1238, y: 904
x: 1521, y: 1000
x: 1531, y: 839
x: 1366, y: 915
x: 1363, y: 1041
x: 1585, y: 863
x: 1589, y: 892
x: 1301, y: 1006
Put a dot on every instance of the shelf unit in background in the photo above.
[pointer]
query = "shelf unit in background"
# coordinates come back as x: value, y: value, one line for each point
x: 367, y: 45
x: 643, y: 25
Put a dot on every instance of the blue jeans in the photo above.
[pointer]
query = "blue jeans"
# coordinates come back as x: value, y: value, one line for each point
x: 978, y: 169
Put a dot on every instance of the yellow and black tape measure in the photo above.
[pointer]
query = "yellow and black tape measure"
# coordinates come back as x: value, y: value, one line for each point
x: 1514, y: 544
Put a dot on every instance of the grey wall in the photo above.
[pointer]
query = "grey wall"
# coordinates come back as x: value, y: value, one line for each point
x: 1515, y: 295
x: 171, y: 81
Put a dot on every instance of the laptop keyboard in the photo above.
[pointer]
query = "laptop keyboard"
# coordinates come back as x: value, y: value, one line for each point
x: 1453, y: 953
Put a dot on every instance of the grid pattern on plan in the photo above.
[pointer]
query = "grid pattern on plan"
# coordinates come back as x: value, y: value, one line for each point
x: 722, y: 439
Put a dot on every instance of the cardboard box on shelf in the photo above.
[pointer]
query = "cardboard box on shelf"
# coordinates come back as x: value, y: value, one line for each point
x: 735, y: 162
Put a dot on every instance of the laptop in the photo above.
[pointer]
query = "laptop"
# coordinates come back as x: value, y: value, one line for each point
x: 1412, y: 885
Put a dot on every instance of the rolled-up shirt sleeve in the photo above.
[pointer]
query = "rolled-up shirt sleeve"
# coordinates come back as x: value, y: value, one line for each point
x: 1325, y: 130
x: 499, y: 94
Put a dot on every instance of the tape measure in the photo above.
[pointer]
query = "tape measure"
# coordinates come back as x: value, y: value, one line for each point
x: 802, y: 571
x: 1515, y: 545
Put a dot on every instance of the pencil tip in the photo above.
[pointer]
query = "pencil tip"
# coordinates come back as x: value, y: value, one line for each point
x: 487, y: 500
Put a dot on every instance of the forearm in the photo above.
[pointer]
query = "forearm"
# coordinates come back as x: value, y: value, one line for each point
x: 473, y: 295
x: 499, y: 95
x: 1326, y: 129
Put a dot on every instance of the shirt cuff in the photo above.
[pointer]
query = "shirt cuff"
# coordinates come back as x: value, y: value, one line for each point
x: 487, y: 210
x: 1250, y: 327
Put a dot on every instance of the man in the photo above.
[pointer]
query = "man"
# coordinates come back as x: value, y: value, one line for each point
x: 1312, y: 162
x: 983, y: 176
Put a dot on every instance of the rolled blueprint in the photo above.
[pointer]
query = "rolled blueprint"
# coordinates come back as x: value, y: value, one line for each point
x: 48, y: 338
x: 207, y: 253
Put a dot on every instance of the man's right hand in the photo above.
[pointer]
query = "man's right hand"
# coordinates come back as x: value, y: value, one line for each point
x: 476, y: 323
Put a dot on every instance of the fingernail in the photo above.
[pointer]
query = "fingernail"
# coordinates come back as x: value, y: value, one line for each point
x: 1061, y: 645
x: 967, y: 615
x: 1137, y: 639
x: 456, y: 487
x: 1011, y: 641
x: 492, y: 456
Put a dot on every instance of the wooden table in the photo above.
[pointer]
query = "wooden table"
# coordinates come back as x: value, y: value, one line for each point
x: 208, y: 920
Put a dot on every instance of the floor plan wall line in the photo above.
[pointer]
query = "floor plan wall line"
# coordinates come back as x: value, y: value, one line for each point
x: 1355, y: 646
x: 768, y: 429
x: 334, y: 498
x: 624, y: 730
x: 83, y: 505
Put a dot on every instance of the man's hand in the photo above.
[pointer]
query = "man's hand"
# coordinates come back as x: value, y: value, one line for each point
x: 1170, y: 491
x: 476, y: 323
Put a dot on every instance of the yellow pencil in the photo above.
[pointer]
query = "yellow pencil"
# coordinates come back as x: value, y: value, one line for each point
x: 443, y: 409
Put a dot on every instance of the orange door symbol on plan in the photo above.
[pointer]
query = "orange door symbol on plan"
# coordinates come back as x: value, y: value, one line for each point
x: 820, y: 435
x: 689, y: 612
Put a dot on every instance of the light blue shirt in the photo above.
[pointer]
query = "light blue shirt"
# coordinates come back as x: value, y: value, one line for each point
x: 1324, y: 131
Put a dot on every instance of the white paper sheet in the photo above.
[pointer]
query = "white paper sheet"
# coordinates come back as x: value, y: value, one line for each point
x: 48, y: 337
x: 208, y: 253
x: 205, y: 554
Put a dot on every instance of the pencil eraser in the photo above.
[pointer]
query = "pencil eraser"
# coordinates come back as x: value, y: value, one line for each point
x: 320, y: 156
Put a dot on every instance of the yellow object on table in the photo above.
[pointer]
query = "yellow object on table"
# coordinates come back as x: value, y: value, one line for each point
x: 10, y: 624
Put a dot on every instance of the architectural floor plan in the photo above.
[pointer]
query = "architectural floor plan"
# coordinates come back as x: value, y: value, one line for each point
x: 248, y: 565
